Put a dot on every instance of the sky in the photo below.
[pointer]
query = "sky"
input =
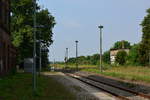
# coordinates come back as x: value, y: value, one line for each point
x: 79, y: 20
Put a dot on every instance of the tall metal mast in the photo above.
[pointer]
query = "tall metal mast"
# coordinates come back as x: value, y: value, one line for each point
x: 34, y: 51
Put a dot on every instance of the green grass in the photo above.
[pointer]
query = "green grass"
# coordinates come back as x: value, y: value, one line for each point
x: 126, y: 73
x: 74, y: 66
x: 19, y: 87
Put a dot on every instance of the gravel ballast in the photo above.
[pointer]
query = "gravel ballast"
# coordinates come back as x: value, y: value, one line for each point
x: 81, y: 90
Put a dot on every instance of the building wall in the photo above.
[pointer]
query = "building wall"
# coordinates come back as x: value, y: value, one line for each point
x: 7, y: 51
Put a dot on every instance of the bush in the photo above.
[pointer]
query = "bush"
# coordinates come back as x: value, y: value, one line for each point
x: 13, y: 71
x: 121, y: 57
x: 106, y: 57
x: 133, y: 55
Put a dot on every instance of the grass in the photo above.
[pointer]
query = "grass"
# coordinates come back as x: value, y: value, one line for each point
x: 19, y: 87
x: 74, y: 66
x: 127, y: 73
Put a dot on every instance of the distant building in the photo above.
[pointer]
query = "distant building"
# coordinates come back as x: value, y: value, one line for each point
x: 7, y: 51
x: 113, y: 53
x: 28, y: 65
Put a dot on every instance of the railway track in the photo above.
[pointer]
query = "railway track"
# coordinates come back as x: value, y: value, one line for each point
x: 119, y: 92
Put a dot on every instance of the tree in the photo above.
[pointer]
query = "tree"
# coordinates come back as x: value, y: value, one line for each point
x: 106, y: 57
x: 72, y: 60
x: 45, y: 60
x: 121, y: 45
x: 22, y: 27
x: 94, y: 59
x: 144, y: 48
x: 121, y: 57
x: 133, y: 55
x: 85, y: 59
x: 81, y: 60
x: 48, y: 21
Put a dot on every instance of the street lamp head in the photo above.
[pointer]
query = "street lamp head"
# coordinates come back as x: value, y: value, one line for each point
x: 44, y: 49
x: 39, y: 26
x: 100, y: 26
x: 76, y: 41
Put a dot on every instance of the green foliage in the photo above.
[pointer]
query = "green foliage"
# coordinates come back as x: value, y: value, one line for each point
x: 45, y: 60
x: 81, y: 60
x: 46, y: 19
x: 85, y: 60
x: 121, y: 57
x: 144, y: 48
x: 94, y: 59
x: 133, y: 55
x: 13, y: 71
x: 91, y: 60
x: 106, y: 57
x: 121, y: 44
x: 22, y: 27
x: 72, y: 60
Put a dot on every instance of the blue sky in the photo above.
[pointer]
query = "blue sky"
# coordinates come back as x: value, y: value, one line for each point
x: 79, y: 20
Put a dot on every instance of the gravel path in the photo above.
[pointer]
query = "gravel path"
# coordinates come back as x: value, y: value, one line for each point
x: 82, y: 91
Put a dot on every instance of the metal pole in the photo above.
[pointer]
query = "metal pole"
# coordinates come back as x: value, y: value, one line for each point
x: 54, y: 63
x: 149, y: 58
x: 66, y: 58
x: 101, y: 48
x: 67, y: 53
x: 76, y: 55
x: 34, y: 51
x: 40, y: 67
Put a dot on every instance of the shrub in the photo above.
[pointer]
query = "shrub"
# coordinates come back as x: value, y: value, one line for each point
x: 121, y: 57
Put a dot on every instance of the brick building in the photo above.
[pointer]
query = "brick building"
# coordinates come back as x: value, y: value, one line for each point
x: 7, y: 51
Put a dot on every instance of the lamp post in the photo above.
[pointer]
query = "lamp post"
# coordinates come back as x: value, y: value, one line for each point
x: 66, y: 58
x: 149, y: 58
x: 76, y: 54
x: 40, y: 58
x: 100, y: 27
x: 34, y: 51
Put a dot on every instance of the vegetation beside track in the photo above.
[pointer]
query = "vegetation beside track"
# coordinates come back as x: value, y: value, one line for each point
x: 19, y: 87
x: 73, y: 66
x: 126, y: 73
